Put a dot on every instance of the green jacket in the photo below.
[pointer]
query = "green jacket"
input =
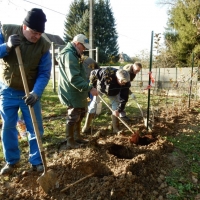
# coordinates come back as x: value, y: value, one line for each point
x: 73, y: 86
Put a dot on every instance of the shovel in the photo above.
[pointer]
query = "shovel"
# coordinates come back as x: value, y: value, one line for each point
x: 47, y: 179
x: 117, y: 117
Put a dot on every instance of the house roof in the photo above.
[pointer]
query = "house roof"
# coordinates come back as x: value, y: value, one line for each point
x: 53, y: 38
x: 124, y: 57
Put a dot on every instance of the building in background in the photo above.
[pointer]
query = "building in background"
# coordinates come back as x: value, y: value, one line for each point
x: 124, y: 58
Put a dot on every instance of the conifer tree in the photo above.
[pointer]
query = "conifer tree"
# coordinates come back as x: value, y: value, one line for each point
x: 184, y: 38
x: 105, y: 35
x: 75, y: 19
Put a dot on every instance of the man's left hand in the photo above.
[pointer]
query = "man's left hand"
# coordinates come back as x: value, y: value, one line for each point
x: 31, y: 99
x: 94, y: 92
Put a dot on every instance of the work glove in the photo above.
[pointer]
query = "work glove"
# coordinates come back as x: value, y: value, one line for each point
x: 31, y: 99
x: 13, y: 41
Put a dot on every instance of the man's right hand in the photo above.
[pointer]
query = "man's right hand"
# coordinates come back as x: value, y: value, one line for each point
x: 13, y: 41
x: 94, y: 92
x: 115, y: 113
x: 31, y: 99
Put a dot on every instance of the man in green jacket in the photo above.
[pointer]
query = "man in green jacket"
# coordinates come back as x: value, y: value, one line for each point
x: 73, y: 88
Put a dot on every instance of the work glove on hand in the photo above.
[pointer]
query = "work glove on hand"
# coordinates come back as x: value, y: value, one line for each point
x: 31, y: 99
x: 13, y: 41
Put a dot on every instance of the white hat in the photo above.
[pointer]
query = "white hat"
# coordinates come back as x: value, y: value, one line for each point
x: 83, y: 40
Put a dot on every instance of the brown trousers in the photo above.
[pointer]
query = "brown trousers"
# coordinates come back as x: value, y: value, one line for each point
x: 74, y: 115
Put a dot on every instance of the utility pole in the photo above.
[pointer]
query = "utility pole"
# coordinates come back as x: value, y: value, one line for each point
x: 91, y: 24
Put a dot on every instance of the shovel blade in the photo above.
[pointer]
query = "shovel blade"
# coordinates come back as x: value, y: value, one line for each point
x: 47, y: 181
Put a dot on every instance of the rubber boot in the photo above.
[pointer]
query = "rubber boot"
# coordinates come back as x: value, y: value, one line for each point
x: 77, y: 134
x: 115, y: 124
x: 88, y: 121
x: 71, y: 144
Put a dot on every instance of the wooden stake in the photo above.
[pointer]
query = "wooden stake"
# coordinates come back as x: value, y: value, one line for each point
x: 89, y: 175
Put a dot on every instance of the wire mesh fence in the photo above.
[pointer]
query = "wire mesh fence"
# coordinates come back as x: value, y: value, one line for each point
x: 172, y: 91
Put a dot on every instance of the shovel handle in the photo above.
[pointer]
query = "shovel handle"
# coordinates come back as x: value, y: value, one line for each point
x: 34, y: 121
x: 82, y: 179
x: 117, y: 117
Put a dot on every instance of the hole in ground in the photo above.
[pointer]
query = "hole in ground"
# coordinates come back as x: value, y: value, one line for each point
x: 146, y: 140
x: 98, y: 168
x: 142, y: 140
x: 120, y: 151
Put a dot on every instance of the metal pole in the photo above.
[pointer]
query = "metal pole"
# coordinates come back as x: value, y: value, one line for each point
x: 190, y: 89
x: 97, y: 54
x: 53, y: 66
x: 91, y: 55
x: 197, y: 81
x: 149, y: 90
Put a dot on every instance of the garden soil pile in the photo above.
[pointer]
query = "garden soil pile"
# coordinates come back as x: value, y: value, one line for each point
x: 122, y: 169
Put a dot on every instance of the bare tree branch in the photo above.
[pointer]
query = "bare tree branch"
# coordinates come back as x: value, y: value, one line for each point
x: 166, y: 2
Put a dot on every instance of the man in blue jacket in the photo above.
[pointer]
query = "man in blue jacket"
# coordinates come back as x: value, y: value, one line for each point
x: 37, y: 65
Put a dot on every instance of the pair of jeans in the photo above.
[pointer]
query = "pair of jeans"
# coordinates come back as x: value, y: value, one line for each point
x: 10, y: 102
x: 94, y: 104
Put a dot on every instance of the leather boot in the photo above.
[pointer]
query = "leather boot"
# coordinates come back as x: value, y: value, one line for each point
x: 115, y: 124
x: 71, y: 144
x: 88, y: 121
x: 77, y: 134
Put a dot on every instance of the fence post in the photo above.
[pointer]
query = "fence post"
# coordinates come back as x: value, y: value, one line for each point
x: 190, y: 89
x: 97, y: 54
x: 53, y: 66
x: 149, y: 92
x: 197, y: 82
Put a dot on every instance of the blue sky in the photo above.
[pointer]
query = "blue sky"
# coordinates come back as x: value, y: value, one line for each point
x: 135, y: 19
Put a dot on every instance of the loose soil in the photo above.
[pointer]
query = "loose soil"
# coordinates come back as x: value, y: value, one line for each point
x: 122, y: 169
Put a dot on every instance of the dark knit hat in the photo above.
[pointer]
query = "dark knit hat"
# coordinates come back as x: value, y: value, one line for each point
x: 35, y: 20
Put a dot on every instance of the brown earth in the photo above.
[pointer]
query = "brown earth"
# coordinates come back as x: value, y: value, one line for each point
x: 122, y: 170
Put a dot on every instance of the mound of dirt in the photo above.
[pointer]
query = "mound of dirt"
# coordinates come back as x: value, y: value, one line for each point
x: 119, y: 168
